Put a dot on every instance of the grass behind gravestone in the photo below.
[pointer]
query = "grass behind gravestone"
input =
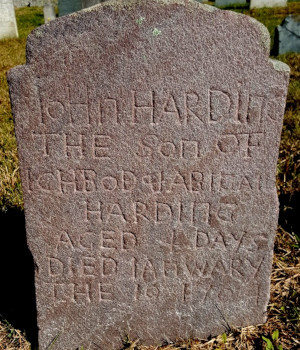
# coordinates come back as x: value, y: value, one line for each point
x: 284, y: 307
x: 12, y: 53
x: 288, y: 175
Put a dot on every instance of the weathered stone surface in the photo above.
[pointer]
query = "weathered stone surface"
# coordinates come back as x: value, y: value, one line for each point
x: 229, y: 2
x: 8, y: 24
x: 68, y: 6
x: 287, y: 35
x: 148, y: 171
x: 267, y: 3
x: 49, y: 13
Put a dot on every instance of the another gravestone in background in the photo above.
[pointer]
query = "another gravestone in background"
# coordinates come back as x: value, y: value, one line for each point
x: 49, y: 13
x: 267, y: 3
x: 88, y: 3
x: 8, y: 24
x: 287, y: 36
x: 148, y: 171
x: 66, y: 7
x: 229, y: 2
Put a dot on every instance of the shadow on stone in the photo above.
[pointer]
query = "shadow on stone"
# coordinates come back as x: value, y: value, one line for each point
x: 17, y: 292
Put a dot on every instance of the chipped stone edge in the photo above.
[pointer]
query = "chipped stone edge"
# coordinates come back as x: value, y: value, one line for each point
x: 279, y: 66
x: 265, y: 40
x: 266, y: 43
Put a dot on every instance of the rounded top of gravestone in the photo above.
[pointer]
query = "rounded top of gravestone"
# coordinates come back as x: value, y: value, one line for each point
x: 61, y: 32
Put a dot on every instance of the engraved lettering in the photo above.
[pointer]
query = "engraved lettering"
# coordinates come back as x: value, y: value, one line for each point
x: 101, y: 146
x: 79, y: 104
x: 143, y: 107
x: 72, y: 181
x: 179, y: 181
x: 115, y: 213
x: 227, y: 209
x: 248, y: 144
x: 149, y: 291
x: 109, y: 267
x: 55, y: 109
x: 93, y: 211
x: 163, y: 212
x: 81, y: 293
x: 154, y: 182
x: 48, y: 143
x: 139, y: 212
x: 86, y: 240
x: 196, y: 181
x: 170, y: 269
x: 202, y: 239
x: 55, y: 267
x: 191, y: 102
x: 128, y: 180
x: 109, y: 183
x: 190, y: 149
x: 149, y: 273
x: 171, y: 110
x: 168, y: 149
x: 109, y: 239
x: 74, y: 146
x: 219, y: 105
x: 89, y: 266
x: 48, y: 182
x: 129, y: 240
x: 187, y: 292
x: 64, y: 241
x: 106, y: 292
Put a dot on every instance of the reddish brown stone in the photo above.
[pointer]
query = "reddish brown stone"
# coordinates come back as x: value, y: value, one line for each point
x: 148, y: 136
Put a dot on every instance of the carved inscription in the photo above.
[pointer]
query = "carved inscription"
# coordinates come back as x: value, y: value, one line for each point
x: 79, y: 106
x: 82, y: 293
x: 100, y: 146
x: 187, y: 212
x: 248, y: 144
x: 125, y: 181
x: 100, y: 266
x: 192, y: 233
x: 73, y: 146
x: 149, y: 277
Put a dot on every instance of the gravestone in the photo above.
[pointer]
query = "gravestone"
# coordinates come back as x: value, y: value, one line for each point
x: 267, y: 3
x: 8, y: 24
x: 287, y: 35
x: 49, y: 13
x: 230, y: 2
x: 66, y: 7
x: 148, y: 171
